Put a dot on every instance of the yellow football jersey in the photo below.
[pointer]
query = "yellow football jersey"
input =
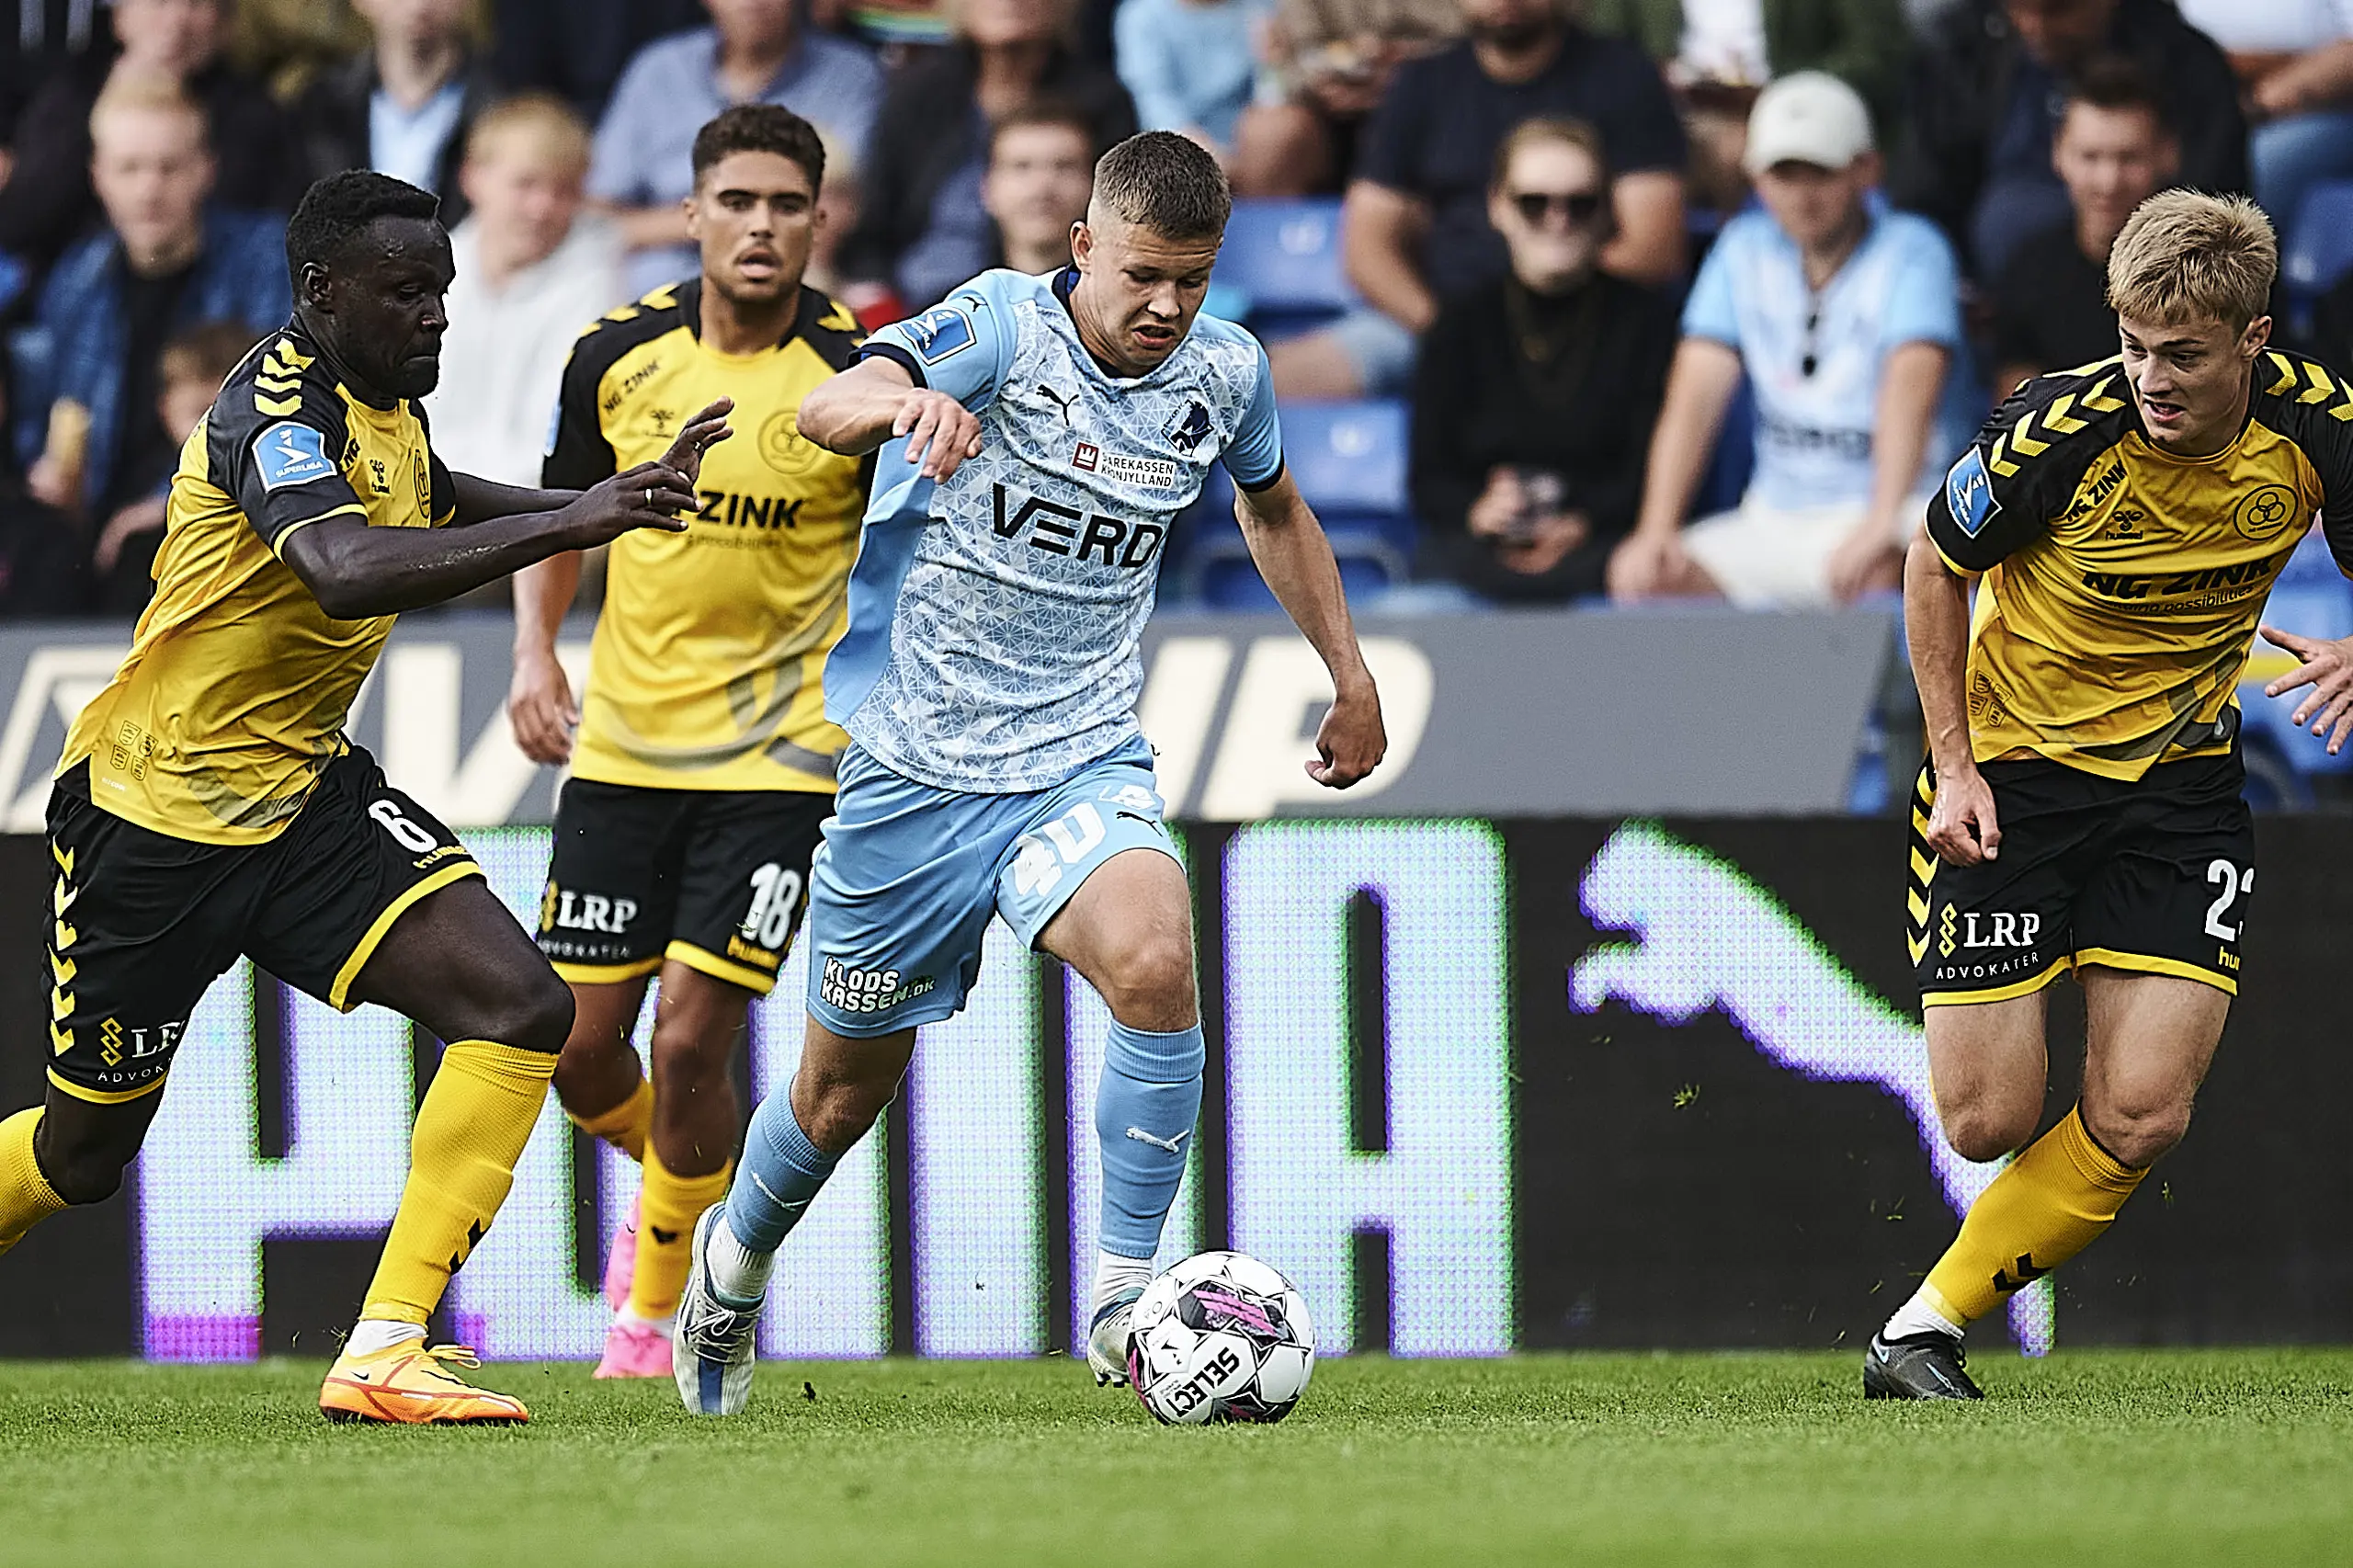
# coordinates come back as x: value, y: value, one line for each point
x: 704, y: 673
x: 2122, y: 586
x: 235, y: 692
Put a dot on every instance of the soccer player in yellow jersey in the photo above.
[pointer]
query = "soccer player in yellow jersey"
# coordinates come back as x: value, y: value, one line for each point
x: 703, y: 765
x: 209, y: 804
x: 2081, y: 809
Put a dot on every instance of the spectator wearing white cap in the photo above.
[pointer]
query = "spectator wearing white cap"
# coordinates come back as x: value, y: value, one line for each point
x: 1845, y: 316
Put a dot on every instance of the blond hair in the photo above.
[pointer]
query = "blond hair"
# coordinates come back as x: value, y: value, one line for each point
x: 2186, y: 257
x: 130, y: 94
x: 541, y: 122
x: 1559, y: 130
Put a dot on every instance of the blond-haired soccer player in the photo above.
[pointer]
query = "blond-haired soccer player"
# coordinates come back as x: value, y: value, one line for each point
x: 2081, y: 809
x: 703, y: 765
x: 210, y: 806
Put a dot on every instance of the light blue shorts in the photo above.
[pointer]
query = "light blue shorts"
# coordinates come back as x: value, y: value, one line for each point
x: 901, y: 891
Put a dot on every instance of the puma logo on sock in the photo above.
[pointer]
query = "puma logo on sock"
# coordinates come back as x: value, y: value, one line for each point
x: 1174, y: 1145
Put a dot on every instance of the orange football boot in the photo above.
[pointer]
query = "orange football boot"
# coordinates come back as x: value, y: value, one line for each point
x: 411, y: 1384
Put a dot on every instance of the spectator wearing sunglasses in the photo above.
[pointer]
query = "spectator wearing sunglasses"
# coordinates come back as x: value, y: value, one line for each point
x: 1534, y: 394
x: 1845, y: 317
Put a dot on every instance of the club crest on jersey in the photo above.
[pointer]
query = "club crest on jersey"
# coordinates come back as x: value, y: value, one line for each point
x: 287, y: 453
x: 1190, y: 428
x: 940, y: 333
x: 1968, y: 494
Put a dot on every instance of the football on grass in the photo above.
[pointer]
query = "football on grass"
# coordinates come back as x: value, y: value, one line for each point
x: 1221, y: 1337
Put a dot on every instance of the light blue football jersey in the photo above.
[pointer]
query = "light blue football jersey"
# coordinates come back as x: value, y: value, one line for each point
x: 994, y: 620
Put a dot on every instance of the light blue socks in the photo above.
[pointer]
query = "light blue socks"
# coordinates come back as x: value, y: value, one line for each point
x: 1145, y: 1105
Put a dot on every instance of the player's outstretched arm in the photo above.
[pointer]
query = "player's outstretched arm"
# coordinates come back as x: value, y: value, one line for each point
x: 1961, y: 826
x: 876, y: 401
x: 355, y: 570
x: 1293, y: 556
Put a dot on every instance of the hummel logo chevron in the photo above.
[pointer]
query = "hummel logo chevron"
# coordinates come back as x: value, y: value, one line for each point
x: 2027, y: 1274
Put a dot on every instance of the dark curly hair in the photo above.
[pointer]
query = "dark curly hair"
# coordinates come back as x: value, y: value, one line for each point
x: 761, y: 127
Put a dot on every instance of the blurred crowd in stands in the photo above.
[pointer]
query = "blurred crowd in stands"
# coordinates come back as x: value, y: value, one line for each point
x: 1627, y: 298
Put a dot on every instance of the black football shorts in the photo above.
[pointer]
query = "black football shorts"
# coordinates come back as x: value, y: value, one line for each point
x: 716, y: 879
x: 143, y: 922
x: 2153, y: 876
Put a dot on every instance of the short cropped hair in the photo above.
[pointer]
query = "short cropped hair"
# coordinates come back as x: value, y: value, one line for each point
x: 337, y: 210
x: 2186, y: 256
x: 2118, y: 83
x: 761, y: 127
x: 1056, y: 114
x: 1559, y: 129
x: 541, y: 121
x: 1167, y: 183
x: 206, y: 352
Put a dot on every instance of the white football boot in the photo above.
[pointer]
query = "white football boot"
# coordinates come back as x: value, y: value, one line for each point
x: 1108, y: 1342
x: 712, y: 1348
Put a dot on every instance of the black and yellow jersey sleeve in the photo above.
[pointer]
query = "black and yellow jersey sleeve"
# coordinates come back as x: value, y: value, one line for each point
x: 705, y: 672
x: 2022, y: 471
x: 276, y: 440
x: 2312, y: 406
x: 440, y: 490
x: 233, y: 695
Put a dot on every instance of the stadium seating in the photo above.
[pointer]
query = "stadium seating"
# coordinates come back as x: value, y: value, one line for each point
x: 1283, y: 259
x: 1348, y: 460
x: 2319, y: 247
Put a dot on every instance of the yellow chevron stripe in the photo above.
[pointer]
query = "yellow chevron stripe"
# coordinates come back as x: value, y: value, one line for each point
x: 1924, y: 869
x: 621, y: 313
x: 60, y: 1005
x: 1919, y: 948
x: 2097, y: 397
x: 2057, y: 417
x: 278, y: 406
x: 66, y: 937
x: 278, y: 383
x: 62, y: 899
x: 294, y: 356
x: 2321, y: 389
x: 2022, y: 440
x: 1919, y: 821
x: 1913, y: 902
x: 63, y: 1040
x: 1996, y: 458
x: 64, y: 970
x: 838, y: 319
x: 2342, y: 411
x: 1922, y: 788
x: 64, y: 859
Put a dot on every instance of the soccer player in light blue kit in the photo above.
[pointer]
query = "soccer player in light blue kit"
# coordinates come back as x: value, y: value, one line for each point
x: 1040, y: 437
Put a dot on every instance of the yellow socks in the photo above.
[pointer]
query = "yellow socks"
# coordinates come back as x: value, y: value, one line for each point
x: 2052, y: 1202
x: 626, y: 1125
x: 24, y: 1198
x: 668, y: 1207
x: 470, y: 1131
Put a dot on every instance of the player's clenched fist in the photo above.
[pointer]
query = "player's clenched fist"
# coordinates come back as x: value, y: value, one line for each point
x: 1961, y: 827
x: 1350, y: 742
x: 941, y: 433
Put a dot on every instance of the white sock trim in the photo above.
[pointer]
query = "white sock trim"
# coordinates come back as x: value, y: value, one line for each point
x: 1115, y: 1277
x: 370, y: 1336
x: 1916, y: 1316
x: 736, y: 1272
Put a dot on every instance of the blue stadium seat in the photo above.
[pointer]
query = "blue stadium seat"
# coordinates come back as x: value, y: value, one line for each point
x: 1283, y: 259
x: 1733, y: 461
x: 1348, y: 460
x: 2320, y: 240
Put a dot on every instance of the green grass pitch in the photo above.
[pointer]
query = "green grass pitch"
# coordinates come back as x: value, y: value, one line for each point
x: 2093, y: 1456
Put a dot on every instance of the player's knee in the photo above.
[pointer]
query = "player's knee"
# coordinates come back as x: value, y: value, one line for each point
x: 2138, y: 1134
x: 82, y: 1172
x: 1149, y: 983
x: 840, y: 1113
x: 1985, y: 1130
x: 688, y: 1051
x: 536, y: 1017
